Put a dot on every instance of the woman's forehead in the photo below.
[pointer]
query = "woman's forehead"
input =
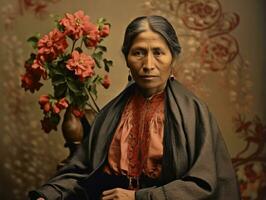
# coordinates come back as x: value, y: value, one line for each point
x: 149, y: 38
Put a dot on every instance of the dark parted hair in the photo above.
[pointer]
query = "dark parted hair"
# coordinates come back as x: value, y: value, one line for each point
x: 157, y: 24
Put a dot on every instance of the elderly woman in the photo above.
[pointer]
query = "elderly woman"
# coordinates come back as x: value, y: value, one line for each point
x: 155, y: 140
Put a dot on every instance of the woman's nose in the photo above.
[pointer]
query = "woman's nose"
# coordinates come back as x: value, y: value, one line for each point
x: 149, y: 63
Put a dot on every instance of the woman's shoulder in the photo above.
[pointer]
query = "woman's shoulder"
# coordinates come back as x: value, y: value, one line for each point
x: 181, y: 92
x: 185, y: 101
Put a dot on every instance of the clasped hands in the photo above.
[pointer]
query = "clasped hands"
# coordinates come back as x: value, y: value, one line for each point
x: 118, y: 194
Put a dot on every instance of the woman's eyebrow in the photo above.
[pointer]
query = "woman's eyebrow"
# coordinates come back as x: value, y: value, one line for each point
x: 145, y: 48
x: 139, y: 48
x: 156, y: 48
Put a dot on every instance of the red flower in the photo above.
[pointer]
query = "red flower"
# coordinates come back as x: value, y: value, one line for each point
x: 28, y: 64
x: 60, y: 105
x: 48, y: 124
x: 56, y: 109
x: 51, y: 45
x: 30, y: 82
x: 31, y: 79
x: 44, y: 99
x: 38, y: 68
x: 45, y: 103
x: 105, y: 30
x: 77, y: 112
x: 76, y: 25
x: 106, y: 81
x: 93, y: 38
x: 82, y: 64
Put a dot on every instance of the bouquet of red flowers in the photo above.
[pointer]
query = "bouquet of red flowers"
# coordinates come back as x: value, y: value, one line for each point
x: 70, y: 69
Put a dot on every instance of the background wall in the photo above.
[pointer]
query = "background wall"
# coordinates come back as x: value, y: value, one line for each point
x: 233, y: 88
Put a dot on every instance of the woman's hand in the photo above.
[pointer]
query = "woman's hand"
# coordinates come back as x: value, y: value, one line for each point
x: 40, y: 198
x: 118, y: 193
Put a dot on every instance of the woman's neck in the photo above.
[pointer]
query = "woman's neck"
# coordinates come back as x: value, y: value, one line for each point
x: 148, y: 93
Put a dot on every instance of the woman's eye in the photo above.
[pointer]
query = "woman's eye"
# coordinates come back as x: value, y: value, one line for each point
x: 138, y: 53
x: 157, y: 53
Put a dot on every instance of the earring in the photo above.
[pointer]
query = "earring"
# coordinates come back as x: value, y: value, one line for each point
x: 129, y: 78
x: 172, y: 77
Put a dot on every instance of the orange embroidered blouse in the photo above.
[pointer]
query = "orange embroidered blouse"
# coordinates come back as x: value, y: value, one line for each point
x: 137, y: 146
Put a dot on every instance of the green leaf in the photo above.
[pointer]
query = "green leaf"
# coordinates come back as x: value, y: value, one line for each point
x: 88, y: 82
x: 60, y: 27
x: 102, y: 48
x: 98, y: 55
x: 55, y: 118
x: 97, y: 79
x: 107, y: 64
x: 64, y: 57
x: 98, y: 58
x: 101, y: 21
x: 60, y: 90
x: 72, y: 86
x: 47, y: 66
x: 56, y: 71
x: 32, y: 56
x: 57, y: 22
x: 81, y: 99
x: 31, y: 59
x: 69, y: 96
x: 79, y: 49
x: 58, y: 80
x: 34, y: 41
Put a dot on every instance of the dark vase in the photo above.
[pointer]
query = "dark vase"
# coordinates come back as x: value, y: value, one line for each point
x: 74, y: 129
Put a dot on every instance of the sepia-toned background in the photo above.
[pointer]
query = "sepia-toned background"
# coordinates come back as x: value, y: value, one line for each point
x: 222, y: 61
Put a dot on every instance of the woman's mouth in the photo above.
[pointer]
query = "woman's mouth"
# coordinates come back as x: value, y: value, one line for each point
x: 148, y: 77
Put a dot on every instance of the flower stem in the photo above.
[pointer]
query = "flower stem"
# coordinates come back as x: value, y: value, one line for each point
x: 74, y: 42
x: 94, y: 102
x: 81, y: 43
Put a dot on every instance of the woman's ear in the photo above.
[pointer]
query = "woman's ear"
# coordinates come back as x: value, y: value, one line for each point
x: 175, y: 61
x: 127, y: 63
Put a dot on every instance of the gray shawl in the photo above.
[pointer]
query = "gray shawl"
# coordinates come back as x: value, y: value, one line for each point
x: 196, y: 163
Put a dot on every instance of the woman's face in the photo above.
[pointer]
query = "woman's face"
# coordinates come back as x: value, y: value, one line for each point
x: 150, y: 60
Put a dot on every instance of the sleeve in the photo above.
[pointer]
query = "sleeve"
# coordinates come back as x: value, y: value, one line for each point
x: 210, y: 174
x: 67, y: 180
